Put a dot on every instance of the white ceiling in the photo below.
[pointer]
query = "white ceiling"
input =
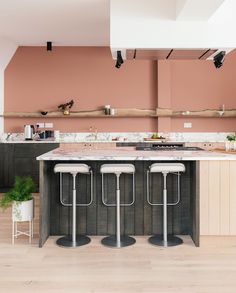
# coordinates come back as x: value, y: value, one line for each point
x: 87, y: 22
x: 64, y: 22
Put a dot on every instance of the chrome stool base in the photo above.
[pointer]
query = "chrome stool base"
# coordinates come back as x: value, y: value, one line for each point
x: 66, y: 241
x: 171, y: 240
x: 111, y: 241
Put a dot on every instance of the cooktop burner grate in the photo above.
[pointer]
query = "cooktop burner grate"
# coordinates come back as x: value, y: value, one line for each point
x: 167, y: 148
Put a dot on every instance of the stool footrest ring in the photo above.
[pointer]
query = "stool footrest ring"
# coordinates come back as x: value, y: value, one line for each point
x: 161, y: 204
x: 121, y: 204
x: 78, y: 204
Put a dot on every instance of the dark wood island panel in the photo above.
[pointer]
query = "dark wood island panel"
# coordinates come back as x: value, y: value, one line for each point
x: 139, y: 219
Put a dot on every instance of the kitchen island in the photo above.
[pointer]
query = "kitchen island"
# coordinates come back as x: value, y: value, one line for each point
x: 139, y: 219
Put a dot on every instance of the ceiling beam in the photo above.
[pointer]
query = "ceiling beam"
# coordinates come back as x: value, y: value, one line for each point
x: 196, y: 10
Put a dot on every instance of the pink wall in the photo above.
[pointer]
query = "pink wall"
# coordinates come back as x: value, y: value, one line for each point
x: 164, y: 93
x: 197, y: 85
x: 39, y: 80
x: 36, y: 79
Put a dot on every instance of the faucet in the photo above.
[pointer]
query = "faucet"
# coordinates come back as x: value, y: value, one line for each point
x: 8, y: 136
x: 222, y: 111
x: 95, y: 132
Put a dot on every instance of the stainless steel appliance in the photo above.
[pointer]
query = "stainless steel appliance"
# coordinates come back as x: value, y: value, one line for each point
x: 46, y: 134
x: 166, y: 147
x: 29, y: 132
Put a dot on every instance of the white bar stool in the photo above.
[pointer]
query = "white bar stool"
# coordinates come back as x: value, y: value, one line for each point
x: 74, y: 240
x: 117, y: 240
x: 165, y: 168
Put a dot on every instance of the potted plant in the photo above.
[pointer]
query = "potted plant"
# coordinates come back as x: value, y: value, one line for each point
x: 231, y: 142
x: 21, y: 199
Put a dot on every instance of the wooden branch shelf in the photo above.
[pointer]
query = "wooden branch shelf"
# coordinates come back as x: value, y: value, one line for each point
x: 128, y: 112
x: 124, y: 112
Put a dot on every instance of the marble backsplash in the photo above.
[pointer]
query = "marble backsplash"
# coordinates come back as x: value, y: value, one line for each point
x: 125, y: 136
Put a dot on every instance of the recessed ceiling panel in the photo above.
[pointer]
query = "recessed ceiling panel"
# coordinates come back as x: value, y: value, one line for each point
x: 170, y: 54
x: 186, y: 54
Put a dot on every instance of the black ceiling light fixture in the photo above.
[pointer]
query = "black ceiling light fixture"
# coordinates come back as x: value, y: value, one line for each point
x: 119, y: 59
x: 219, y: 59
x: 49, y: 46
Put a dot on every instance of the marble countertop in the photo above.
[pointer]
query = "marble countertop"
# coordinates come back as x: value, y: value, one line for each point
x: 91, y: 136
x: 130, y: 154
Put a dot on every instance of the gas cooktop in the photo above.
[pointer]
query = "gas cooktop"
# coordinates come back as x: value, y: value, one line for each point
x: 168, y: 147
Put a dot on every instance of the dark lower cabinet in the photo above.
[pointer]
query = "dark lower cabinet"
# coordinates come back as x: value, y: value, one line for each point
x: 6, y: 166
x: 19, y: 159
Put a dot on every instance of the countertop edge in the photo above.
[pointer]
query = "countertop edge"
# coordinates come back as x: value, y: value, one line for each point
x: 133, y: 155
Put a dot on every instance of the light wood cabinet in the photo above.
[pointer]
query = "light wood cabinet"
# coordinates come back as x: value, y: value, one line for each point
x: 218, y: 198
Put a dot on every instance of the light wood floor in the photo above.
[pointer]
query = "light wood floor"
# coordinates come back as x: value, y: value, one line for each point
x: 96, y: 269
x: 140, y: 268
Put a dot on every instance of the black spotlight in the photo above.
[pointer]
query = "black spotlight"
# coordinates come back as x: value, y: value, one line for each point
x: 219, y: 59
x: 49, y: 46
x: 119, y: 59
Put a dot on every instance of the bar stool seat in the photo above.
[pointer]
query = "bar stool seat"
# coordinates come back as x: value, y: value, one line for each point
x: 73, y: 240
x: 165, y: 168
x: 117, y: 240
x: 117, y: 168
x: 71, y: 168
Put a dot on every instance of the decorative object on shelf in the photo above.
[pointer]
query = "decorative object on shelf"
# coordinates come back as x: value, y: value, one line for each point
x: 112, y: 111
x: 44, y: 113
x: 65, y: 108
x: 107, y: 109
x: 21, y: 199
x: 222, y: 111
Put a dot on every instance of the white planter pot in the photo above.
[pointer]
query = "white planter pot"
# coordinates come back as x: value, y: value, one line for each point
x: 23, y: 211
x: 230, y: 145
